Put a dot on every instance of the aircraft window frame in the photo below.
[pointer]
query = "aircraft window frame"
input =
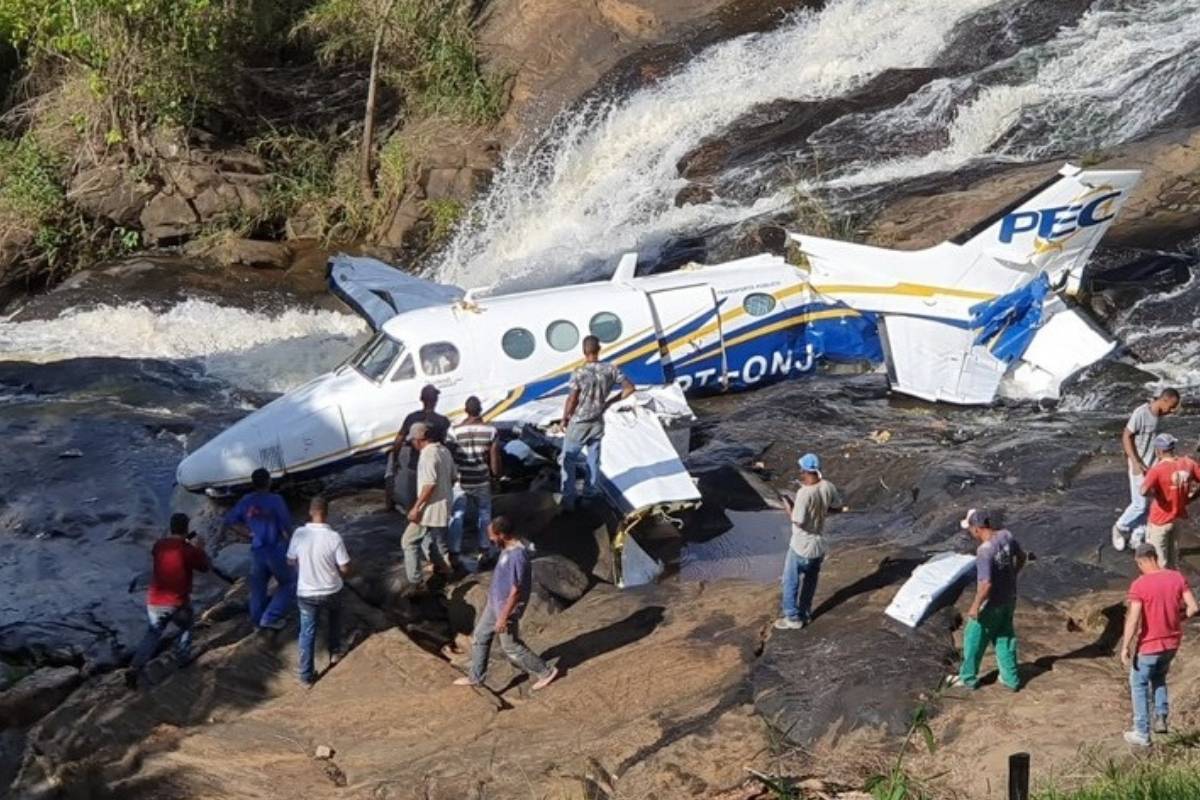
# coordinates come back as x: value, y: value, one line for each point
x: 562, y: 325
x: 596, y: 320
x: 360, y: 360
x: 403, y: 374
x: 453, y: 349
x: 526, y: 335
x: 753, y: 297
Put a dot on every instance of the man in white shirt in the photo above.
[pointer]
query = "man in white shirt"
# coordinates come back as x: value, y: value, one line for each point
x: 430, y: 514
x: 318, y: 555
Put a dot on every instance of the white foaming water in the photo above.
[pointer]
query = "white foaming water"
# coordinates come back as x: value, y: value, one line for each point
x: 248, y: 349
x: 1106, y: 80
x: 609, y: 181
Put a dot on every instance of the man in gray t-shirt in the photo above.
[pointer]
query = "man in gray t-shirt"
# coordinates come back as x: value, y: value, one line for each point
x: 1137, y: 440
x: 583, y: 417
x: 816, y: 499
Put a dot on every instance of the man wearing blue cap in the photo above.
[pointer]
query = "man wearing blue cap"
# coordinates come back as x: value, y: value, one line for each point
x: 816, y: 498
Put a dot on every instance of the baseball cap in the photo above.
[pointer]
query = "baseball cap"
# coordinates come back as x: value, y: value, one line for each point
x: 1165, y: 441
x: 418, y: 431
x: 975, y: 518
x: 810, y: 463
x: 429, y: 390
x: 1145, y: 550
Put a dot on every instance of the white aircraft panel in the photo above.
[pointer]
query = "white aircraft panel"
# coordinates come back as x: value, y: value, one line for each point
x: 936, y: 361
x: 927, y: 583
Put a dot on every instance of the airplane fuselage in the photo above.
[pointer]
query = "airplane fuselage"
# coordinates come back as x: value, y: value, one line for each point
x: 728, y: 327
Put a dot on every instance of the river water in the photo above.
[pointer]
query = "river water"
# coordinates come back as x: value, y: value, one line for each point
x: 102, y: 393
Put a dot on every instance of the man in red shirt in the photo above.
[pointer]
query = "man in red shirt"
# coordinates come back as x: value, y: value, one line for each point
x: 1169, y: 486
x: 1157, y: 601
x: 169, y: 598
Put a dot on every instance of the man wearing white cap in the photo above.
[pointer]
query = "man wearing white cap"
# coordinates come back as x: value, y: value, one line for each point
x: 1169, y: 486
x: 998, y: 560
x: 816, y: 498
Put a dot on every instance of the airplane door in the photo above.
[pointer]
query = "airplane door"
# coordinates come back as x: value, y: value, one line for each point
x: 689, y: 334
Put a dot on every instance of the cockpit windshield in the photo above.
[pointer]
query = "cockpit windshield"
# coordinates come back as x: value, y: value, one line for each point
x: 377, y: 356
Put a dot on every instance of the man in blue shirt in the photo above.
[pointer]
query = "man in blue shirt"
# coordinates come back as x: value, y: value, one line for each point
x: 263, y: 517
x: 507, y: 598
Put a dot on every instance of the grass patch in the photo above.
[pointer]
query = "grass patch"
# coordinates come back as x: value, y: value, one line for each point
x: 445, y: 214
x: 1170, y: 774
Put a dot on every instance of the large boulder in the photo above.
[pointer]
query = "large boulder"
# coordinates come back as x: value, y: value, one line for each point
x: 111, y: 193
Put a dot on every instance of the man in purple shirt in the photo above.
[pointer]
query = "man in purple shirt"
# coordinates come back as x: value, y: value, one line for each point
x: 507, y: 597
x: 263, y: 517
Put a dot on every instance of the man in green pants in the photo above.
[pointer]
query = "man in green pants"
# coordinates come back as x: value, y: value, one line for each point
x: 998, y: 560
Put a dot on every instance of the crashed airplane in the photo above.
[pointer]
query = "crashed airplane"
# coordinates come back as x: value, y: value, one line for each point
x: 950, y: 323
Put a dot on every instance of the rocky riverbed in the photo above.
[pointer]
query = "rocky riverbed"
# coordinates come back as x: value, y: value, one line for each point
x: 673, y: 690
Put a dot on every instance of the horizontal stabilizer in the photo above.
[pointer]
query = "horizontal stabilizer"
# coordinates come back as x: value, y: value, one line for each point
x: 939, y: 361
x: 378, y: 292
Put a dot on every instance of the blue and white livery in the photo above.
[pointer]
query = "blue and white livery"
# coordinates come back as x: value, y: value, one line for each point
x: 954, y: 323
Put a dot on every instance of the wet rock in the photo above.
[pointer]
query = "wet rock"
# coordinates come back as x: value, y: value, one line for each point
x: 404, y: 221
x: 459, y: 185
x: 780, y: 127
x: 231, y: 251
x: 693, y: 194
x: 109, y: 192
x: 233, y: 562
x: 858, y: 671
x: 36, y: 695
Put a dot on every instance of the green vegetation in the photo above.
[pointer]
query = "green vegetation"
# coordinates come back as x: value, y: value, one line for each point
x: 895, y: 783
x: 1169, y: 774
x: 445, y: 215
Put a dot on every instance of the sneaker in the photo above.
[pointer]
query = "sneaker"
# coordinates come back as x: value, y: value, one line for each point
x: 334, y: 658
x: 467, y: 680
x: 306, y: 683
x: 1160, y: 725
x: 956, y: 682
x: 788, y: 624
x: 545, y: 680
x: 1118, y: 539
x: 277, y: 625
x: 1137, y: 538
x: 1137, y: 739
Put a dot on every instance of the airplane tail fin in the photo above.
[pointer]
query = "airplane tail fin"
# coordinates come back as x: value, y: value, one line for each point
x: 1055, y: 227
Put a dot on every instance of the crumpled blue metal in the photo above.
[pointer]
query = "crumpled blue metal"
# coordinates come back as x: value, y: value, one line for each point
x: 1007, y: 324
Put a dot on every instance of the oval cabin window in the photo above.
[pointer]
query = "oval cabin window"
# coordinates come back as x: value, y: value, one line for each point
x: 518, y: 343
x: 758, y: 304
x: 562, y: 335
x: 605, y: 326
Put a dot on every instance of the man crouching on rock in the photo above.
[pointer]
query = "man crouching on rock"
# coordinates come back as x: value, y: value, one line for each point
x: 998, y: 560
x: 507, y: 598
x: 815, y: 499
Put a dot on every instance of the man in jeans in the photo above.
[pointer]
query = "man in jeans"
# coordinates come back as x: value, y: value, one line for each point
x: 430, y: 514
x: 263, y: 517
x: 998, y: 560
x: 169, y: 598
x: 583, y: 417
x: 477, y: 456
x: 1137, y: 440
x: 1157, y: 600
x: 319, y: 556
x: 816, y: 499
x: 1169, y: 486
x: 507, y: 597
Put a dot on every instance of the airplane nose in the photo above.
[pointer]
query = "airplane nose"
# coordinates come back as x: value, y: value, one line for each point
x: 197, y: 470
